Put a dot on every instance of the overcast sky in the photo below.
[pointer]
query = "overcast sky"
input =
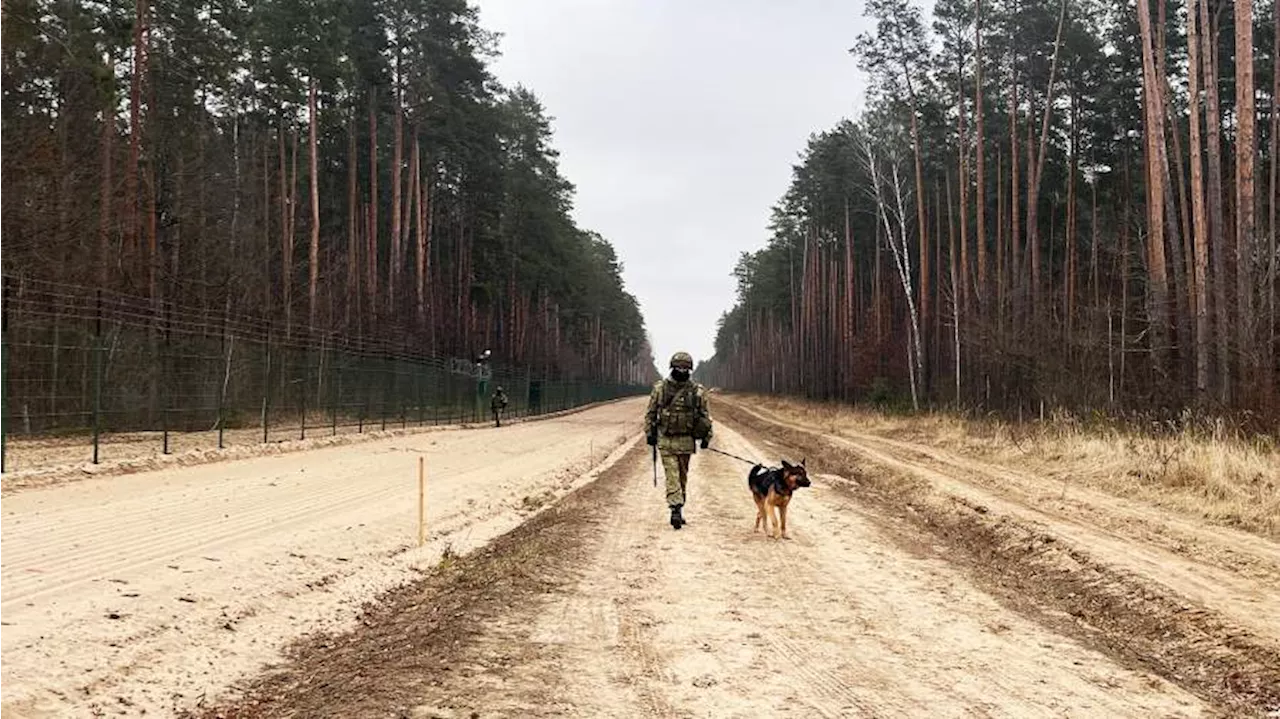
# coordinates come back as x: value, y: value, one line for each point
x: 679, y: 122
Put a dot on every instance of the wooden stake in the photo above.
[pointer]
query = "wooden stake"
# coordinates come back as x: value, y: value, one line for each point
x: 422, y: 501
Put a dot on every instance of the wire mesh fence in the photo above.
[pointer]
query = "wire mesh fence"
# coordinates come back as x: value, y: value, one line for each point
x: 90, y: 377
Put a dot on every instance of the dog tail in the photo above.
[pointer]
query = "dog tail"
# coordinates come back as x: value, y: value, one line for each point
x: 755, y: 471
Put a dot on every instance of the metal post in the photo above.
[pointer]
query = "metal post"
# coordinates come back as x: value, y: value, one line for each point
x: 4, y: 377
x: 305, y: 365
x: 335, y: 391
x: 364, y: 394
x: 165, y: 378
x: 266, y: 389
x: 422, y: 405
x: 383, y: 404
x: 222, y: 386
x: 97, y: 377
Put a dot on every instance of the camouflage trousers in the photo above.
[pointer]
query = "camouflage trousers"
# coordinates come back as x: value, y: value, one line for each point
x: 675, y: 466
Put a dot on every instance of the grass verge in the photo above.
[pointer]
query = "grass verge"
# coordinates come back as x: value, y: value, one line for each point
x: 1198, y: 469
x: 1140, y: 624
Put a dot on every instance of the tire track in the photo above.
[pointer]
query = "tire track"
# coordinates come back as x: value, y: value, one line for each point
x: 1251, y: 603
x: 1134, y: 617
x: 112, y: 536
x: 300, y: 555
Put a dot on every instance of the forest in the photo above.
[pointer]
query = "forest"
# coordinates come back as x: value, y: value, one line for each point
x: 325, y: 168
x: 1062, y: 203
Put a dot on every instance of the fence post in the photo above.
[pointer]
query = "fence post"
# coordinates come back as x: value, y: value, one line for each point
x: 97, y: 376
x: 266, y: 389
x: 165, y: 377
x: 383, y: 404
x: 364, y: 392
x: 222, y: 386
x: 306, y: 364
x: 4, y: 376
x: 335, y: 390
x: 417, y: 380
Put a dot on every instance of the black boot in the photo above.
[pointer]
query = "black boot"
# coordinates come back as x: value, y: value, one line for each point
x: 677, y: 521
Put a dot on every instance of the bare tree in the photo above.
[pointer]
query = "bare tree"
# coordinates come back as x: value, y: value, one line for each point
x: 891, y: 210
x: 1036, y: 169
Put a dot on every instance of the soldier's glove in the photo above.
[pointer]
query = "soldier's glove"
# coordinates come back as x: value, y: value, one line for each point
x: 706, y: 442
x: 652, y: 439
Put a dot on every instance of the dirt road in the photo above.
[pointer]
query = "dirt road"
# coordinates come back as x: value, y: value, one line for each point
x: 940, y: 591
x: 611, y: 613
x: 1231, y: 572
x: 154, y: 591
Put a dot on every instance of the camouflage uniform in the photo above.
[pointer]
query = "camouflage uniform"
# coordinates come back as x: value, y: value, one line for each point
x: 497, y: 405
x: 685, y: 402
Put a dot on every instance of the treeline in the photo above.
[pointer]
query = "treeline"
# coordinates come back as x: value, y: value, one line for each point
x: 1067, y: 202
x: 331, y: 166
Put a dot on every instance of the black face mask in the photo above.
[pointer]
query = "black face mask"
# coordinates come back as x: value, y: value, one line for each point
x: 680, y: 375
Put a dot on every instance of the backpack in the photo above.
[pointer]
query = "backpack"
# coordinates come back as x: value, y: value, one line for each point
x: 681, y: 412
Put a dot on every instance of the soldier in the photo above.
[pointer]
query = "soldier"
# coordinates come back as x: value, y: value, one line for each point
x: 677, y: 419
x: 498, y: 404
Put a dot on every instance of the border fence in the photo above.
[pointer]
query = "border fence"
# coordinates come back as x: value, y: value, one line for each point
x: 89, y: 376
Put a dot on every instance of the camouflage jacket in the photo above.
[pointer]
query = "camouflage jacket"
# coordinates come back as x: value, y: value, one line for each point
x: 677, y: 443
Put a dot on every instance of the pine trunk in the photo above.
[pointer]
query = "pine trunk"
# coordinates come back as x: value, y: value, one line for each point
x: 420, y: 230
x: 1246, y: 148
x: 397, y: 157
x: 962, y: 180
x: 267, y: 283
x: 1015, y: 234
x: 1201, y: 220
x: 107, y: 196
x: 313, y: 263
x: 1273, y: 249
x: 980, y: 158
x: 1217, y: 224
x: 286, y: 244
x: 955, y: 290
x: 353, y: 214
x: 1036, y: 170
x: 1069, y: 279
x: 1157, y: 293
x: 371, y: 231
x: 1000, y: 242
x: 133, y: 233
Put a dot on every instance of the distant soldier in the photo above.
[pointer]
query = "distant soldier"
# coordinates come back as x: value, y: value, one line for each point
x: 677, y: 419
x: 498, y: 404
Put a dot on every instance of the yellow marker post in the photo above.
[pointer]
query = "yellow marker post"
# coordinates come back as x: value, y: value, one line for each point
x: 422, y: 501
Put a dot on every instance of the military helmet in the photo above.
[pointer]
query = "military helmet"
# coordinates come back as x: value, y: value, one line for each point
x: 682, y: 360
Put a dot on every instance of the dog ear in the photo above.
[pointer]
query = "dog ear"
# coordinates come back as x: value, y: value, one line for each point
x: 786, y: 464
x: 802, y: 461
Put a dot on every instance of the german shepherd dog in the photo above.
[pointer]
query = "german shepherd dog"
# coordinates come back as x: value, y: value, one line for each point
x: 772, y: 487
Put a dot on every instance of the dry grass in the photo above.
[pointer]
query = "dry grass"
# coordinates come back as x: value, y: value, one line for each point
x: 1196, y: 468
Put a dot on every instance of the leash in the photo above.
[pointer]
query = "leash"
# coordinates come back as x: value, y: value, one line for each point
x: 734, y: 456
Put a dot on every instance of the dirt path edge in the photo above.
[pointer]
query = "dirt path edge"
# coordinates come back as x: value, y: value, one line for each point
x: 1136, y: 622
x: 56, y: 475
x: 413, y: 636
